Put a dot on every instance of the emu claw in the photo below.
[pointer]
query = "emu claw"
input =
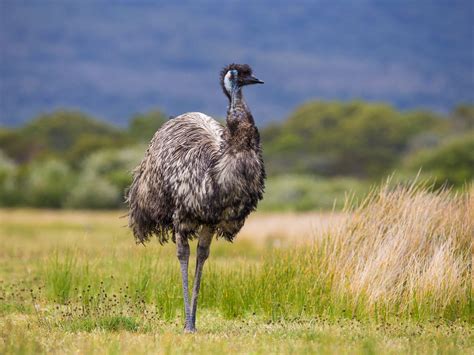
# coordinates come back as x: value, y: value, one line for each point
x: 189, y: 330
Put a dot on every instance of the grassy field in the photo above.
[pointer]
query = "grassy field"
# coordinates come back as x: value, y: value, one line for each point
x: 393, y: 276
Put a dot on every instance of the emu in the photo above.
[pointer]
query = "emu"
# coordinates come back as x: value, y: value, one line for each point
x: 199, y: 179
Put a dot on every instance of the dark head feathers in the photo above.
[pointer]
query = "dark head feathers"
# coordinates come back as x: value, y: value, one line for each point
x: 244, y: 70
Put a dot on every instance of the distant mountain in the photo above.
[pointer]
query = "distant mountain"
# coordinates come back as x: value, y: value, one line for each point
x: 114, y: 60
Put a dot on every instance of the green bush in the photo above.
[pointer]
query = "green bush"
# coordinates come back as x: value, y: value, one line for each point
x: 116, y: 165
x: 9, y: 194
x: 93, y: 191
x: 47, y: 183
x: 304, y: 192
x: 451, y: 162
x: 142, y: 127
x: 104, y: 177
x: 61, y: 134
x: 88, y: 144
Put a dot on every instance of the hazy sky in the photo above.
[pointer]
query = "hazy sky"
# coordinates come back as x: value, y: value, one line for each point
x: 115, y: 58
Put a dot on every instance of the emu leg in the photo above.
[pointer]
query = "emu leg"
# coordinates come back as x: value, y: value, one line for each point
x: 203, y: 247
x: 183, y: 257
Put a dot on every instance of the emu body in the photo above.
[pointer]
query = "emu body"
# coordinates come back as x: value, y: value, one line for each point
x: 199, y: 179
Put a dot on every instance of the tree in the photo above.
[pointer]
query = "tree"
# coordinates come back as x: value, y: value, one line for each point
x: 54, y: 135
x: 142, y: 127
x: 463, y: 118
x: 332, y: 138
x: 47, y: 184
x: 451, y: 162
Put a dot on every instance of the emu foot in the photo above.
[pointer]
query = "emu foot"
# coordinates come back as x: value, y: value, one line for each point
x: 189, y: 326
x: 189, y: 329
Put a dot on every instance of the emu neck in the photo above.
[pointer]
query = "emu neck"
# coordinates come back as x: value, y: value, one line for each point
x: 241, y: 131
x: 236, y: 99
x: 238, y: 113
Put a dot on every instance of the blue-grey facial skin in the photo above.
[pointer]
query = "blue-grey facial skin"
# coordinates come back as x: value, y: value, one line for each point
x: 230, y: 81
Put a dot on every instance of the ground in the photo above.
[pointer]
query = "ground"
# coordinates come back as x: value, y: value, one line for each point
x: 75, y: 282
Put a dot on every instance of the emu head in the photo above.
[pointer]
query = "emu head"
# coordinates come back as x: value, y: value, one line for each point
x: 234, y: 76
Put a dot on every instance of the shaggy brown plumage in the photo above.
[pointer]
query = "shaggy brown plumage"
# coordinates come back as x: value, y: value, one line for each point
x: 197, y: 172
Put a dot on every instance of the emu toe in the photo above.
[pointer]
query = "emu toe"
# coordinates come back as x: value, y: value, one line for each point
x: 190, y: 329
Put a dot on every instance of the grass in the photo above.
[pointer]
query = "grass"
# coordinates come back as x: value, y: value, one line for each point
x: 407, y: 250
x: 250, y: 335
x: 392, y: 275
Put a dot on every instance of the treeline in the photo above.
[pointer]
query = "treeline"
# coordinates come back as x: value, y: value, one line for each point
x: 68, y: 159
x: 370, y: 140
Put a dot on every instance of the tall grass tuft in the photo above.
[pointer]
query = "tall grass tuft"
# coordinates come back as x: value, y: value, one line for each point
x: 60, y: 274
x: 405, y: 249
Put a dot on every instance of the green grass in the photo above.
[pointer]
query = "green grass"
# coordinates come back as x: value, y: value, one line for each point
x: 248, y: 335
x: 90, y: 289
x: 281, y: 284
x: 106, y: 323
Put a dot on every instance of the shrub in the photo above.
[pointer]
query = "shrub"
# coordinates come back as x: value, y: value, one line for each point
x: 9, y: 195
x: 142, y: 127
x: 115, y: 166
x: 105, y: 176
x: 93, y: 191
x: 304, y: 192
x: 451, y: 162
x: 47, y: 183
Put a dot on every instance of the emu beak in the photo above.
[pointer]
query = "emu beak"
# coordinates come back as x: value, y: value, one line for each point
x: 252, y: 80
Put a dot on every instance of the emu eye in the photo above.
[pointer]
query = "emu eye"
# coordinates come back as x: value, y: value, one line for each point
x: 231, y: 74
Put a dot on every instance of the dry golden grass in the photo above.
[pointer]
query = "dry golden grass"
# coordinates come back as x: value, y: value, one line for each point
x: 404, y: 246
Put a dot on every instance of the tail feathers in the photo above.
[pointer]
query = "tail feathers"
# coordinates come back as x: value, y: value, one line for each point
x: 143, y: 226
x: 142, y: 223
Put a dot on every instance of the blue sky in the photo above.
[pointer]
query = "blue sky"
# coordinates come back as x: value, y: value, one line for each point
x: 112, y: 59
